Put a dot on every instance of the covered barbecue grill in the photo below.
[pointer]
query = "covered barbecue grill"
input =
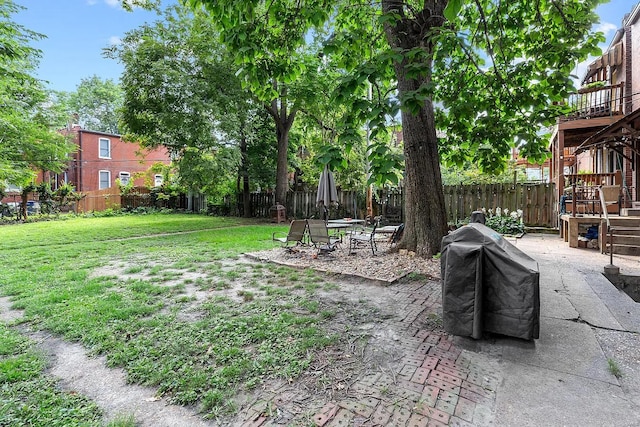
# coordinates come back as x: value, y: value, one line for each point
x: 488, y: 285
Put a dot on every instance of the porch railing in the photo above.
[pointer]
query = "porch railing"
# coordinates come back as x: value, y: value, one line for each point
x: 605, y: 178
x: 596, y: 102
x: 580, y: 192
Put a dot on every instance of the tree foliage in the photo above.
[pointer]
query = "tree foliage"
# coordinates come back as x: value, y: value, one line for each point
x: 502, y: 70
x: 470, y: 173
x: 94, y: 104
x: 268, y: 41
x: 181, y: 92
x: 493, y: 69
x: 27, y: 141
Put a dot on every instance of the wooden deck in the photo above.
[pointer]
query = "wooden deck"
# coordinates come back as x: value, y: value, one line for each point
x: 572, y: 226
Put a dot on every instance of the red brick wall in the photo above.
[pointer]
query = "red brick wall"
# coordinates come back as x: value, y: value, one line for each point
x: 125, y: 157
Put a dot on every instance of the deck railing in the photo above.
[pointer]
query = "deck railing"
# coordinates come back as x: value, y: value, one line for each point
x: 596, y: 102
x: 605, y: 178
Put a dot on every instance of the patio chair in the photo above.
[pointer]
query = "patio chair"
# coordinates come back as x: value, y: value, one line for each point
x: 397, y: 235
x: 364, y: 239
x: 319, y: 236
x: 296, y: 234
x: 611, y: 195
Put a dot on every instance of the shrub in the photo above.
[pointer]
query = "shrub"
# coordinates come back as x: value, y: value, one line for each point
x: 504, y: 222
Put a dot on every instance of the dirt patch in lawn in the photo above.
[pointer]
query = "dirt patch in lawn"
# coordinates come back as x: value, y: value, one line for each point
x: 392, y: 363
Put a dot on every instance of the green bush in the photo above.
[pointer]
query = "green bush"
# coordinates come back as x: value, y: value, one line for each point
x: 504, y: 221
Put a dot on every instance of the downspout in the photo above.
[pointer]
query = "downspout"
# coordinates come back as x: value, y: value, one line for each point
x: 79, y: 165
x: 628, y: 57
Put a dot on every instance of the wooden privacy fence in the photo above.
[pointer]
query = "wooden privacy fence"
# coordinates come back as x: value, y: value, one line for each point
x: 302, y: 204
x: 535, y: 200
x: 111, y: 198
x: 99, y: 200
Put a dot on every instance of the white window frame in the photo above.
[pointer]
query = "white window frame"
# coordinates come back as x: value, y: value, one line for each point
x: 100, y: 141
x: 158, y: 180
x: 122, y: 175
x: 100, y: 187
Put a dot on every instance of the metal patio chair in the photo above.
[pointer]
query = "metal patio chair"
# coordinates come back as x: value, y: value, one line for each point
x: 319, y: 236
x: 295, y: 235
x: 364, y: 239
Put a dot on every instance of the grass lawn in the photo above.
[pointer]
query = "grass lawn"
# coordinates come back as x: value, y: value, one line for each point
x: 162, y: 296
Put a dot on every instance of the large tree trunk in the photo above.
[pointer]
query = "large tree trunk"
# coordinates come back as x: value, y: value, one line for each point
x: 244, y: 174
x: 425, y: 213
x: 282, y: 168
x: 283, y: 118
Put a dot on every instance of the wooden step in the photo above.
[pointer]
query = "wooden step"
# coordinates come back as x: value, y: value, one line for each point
x: 624, y: 249
x: 630, y: 212
x: 625, y: 231
x: 626, y: 239
x: 624, y: 221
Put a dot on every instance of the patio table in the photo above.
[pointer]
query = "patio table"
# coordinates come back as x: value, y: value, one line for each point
x: 387, y: 231
x: 337, y: 224
x: 344, y: 224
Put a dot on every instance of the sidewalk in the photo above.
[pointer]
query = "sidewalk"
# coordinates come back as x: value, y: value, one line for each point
x: 412, y: 373
x: 563, y: 378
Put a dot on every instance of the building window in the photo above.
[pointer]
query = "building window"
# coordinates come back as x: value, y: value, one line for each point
x: 11, y: 188
x: 105, y: 148
x: 124, y: 178
x: 157, y: 180
x: 105, y: 180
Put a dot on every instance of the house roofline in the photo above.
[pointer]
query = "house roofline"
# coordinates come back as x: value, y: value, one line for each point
x: 632, y: 17
x: 99, y: 133
x: 616, y: 38
x: 629, y: 19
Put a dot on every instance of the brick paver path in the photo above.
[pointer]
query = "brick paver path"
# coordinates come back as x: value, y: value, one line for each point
x: 428, y: 382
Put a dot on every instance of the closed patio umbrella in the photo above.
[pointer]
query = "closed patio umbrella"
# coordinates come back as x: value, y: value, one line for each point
x: 327, y: 192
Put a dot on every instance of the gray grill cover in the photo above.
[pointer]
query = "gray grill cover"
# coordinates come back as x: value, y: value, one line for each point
x: 488, y: 285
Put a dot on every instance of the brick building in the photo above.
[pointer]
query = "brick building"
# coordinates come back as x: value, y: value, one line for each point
x: 602, y: 134
x: 102, y: 158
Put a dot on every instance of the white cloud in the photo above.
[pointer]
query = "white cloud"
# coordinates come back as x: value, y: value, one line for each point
x: 133, y: 4
x: 606, y: 28
x: 115, y: 40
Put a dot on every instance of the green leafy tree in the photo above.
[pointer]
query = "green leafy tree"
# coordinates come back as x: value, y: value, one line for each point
x: 180, y: 91
x: 27, y: 141
x: 494, y: 67
x: 94, y: 104
x: 470, y: 173
x: 316, y: 134
x: 276, y: 64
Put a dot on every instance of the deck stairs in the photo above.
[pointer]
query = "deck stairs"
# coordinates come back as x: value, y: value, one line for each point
x: 626, y: 232
x: 634, y: 210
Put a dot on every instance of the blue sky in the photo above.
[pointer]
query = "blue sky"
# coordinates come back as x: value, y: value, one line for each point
x: 78, y: 30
